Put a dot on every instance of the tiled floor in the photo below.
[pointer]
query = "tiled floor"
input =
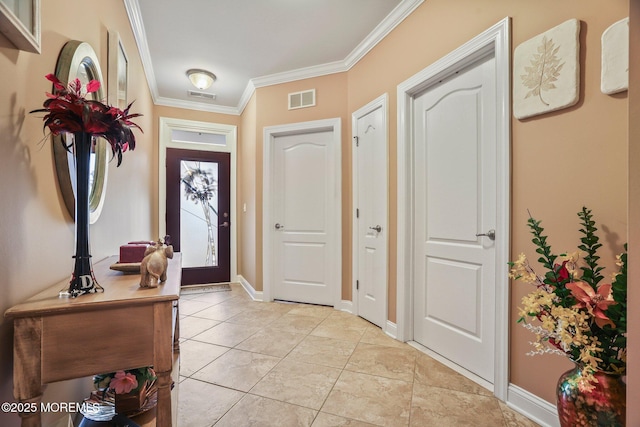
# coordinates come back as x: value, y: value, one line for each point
x: 248, y: 363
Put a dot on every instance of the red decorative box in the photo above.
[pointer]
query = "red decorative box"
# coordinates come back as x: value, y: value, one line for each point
x: 133, y: 252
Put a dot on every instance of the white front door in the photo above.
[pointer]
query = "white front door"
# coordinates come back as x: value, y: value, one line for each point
x: 304, y: 198
x: 370, y: 203
x: 455, y: 200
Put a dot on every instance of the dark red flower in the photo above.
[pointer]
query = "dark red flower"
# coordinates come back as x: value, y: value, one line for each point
x: 67, y: 110
x: 562, y: 272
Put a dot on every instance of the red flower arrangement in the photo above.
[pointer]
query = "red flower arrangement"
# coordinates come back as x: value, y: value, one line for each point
x: 69, y: 111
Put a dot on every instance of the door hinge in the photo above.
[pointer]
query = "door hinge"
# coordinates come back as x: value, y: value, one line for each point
x: 357, y: 213
x: 357, y: 140
x: 357, y: 285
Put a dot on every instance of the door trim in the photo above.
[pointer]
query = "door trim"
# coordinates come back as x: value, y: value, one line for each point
x: 167, y: 125
x: 269, y: 135
x: 497, y: 40
x: 382, y: 103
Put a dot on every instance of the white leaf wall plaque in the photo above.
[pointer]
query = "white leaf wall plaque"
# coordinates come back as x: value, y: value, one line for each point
x: 615, y: 58
x: 546, y: 71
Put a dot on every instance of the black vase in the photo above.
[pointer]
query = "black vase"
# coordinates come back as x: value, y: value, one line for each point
x: 83, y: 280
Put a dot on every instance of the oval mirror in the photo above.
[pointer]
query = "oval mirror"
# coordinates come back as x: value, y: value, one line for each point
x: 79, y: 60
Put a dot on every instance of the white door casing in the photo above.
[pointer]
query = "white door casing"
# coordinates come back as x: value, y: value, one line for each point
x: 494, y: 41
x: 454, y: 200
x: 166, y: 128
x: 301, y: 216
x: 370, y: 218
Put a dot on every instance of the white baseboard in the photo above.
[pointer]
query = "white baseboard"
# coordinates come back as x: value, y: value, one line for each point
x: 532, y: 407
x: 255, y: 295
x: 346, y: 306
x: 391, y: 329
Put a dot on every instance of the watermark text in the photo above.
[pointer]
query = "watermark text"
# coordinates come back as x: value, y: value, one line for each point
x: 56, y: 407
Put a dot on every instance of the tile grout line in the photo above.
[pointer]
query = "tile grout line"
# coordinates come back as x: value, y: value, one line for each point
x: 306, y: 335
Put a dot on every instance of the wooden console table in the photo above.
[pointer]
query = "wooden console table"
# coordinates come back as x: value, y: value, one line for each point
x: 125, y: 327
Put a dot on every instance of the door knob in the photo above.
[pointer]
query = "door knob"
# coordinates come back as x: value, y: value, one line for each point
x: 225, y: 224
x: 376, y: 228
x: 278, y: 226
x: 491, y: 234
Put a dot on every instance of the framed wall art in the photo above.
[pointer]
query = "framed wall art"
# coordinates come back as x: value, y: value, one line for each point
x: 615, y: 58
x: 118, y: 74
x: 546, y: 71
x: 20, y: 23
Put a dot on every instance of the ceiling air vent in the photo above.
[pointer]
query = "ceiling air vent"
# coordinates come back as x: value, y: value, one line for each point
x: 202, y: 95
x: 302, y: 99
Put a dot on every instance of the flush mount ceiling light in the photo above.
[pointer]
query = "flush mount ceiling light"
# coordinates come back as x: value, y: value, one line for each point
x: 201, y: 79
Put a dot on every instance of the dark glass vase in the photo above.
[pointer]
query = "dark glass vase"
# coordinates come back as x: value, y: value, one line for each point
x: 83, y: 280
x: 605, y: 405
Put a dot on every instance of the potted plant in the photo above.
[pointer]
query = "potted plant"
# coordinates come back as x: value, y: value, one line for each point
x: 573, y: 314
x: 130, y: 388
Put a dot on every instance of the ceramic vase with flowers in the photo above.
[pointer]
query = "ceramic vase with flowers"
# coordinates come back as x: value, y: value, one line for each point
x: 69, y: 111
x: 130, y: 389
x: 573, y: 314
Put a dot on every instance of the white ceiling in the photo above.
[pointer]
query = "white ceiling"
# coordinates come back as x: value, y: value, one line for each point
x: 253, y: 43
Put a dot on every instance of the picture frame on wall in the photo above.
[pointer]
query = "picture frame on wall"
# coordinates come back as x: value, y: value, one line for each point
x: 615, y: 58
x: 546, y: 71
x: 20, y: 23
x: 118, y: 72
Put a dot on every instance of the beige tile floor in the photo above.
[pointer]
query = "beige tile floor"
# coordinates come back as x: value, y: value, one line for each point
x: 249, y: 363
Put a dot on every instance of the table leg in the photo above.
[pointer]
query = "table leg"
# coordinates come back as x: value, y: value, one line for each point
x: 176, y: 331
x: 163, y: 410
x: 163, y: 360
x: 27, y: 368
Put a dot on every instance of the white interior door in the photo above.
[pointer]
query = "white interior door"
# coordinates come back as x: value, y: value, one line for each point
x: 455, y: 200
x: 370, y: 201
x: 304, y: 234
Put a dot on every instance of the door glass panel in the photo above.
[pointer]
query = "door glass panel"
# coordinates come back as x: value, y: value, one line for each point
x: 199, y: 213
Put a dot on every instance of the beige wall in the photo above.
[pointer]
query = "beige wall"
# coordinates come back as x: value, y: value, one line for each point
x: 247, y: 189
x: 36, y: 232
x: 271, y: 109
x: 560, y: 161
x: 633, y: 284
x: 199, y: 116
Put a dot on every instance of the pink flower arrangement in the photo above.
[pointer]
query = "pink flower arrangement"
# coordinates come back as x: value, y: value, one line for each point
x: 122, y: 382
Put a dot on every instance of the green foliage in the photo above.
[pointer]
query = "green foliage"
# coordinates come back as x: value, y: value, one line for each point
x: 611, y: 343
x: 547, y: 259
x: 591, y: 272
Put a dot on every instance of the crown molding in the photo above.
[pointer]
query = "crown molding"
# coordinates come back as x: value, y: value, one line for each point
x: 391, y: 21
x: 137, y: 26
x: 198, y: 106
x: 397, y: 15
x: 288, y: 76
x: 246, y: 96
x: 300, y: 74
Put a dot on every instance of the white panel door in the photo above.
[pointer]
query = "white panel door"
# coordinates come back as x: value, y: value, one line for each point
x: 370, y: 154
x: 455, y: 199
x: 303, y: 194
